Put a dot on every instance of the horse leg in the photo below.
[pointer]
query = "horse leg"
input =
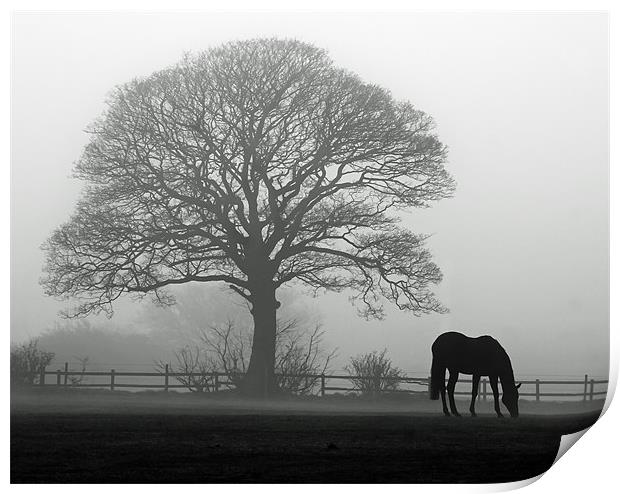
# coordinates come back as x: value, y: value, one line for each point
x: 493, y: 382
x: 474, y: 392
x: 442, y: 391
x: 454, y: 375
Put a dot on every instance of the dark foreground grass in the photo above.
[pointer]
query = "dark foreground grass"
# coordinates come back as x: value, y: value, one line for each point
x: 126, y: 447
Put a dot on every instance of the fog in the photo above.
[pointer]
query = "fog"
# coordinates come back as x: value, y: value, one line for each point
x: 521, y: 100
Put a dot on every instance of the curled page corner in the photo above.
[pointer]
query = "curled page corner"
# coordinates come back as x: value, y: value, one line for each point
x: 567, y: 441
x: 513, y: 486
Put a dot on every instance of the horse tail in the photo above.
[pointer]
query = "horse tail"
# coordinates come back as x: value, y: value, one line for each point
x: 438, y: 378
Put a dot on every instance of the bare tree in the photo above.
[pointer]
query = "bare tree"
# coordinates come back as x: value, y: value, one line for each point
x: 373, y: 373
x: 255, y: 164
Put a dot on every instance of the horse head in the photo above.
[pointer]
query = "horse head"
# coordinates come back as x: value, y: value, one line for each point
x: 511, y: 399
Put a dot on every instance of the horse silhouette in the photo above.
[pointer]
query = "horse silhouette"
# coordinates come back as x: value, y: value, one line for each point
x: 482, y: 356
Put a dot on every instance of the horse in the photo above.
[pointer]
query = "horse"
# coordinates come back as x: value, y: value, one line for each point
x: 482, y: 356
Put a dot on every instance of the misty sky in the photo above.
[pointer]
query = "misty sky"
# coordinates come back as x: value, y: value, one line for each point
x: 521, y: 100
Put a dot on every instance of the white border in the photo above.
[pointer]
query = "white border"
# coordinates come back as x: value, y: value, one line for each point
x: 588, y: 467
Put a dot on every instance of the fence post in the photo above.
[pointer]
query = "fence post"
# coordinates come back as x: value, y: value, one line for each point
x: 537, y: 389
x: 429, y: 385
x: 484, y: 389
x: 58, y: 377
x: 323, y: 384
x: 166, y: 379
x: 42, y: 376
x: 112, y: 380
x: 66, y: 370
x: 216, y: 382
x: 585, y: 387
x: 591, y: 389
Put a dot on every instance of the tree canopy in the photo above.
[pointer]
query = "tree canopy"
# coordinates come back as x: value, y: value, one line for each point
x: 255, y: 160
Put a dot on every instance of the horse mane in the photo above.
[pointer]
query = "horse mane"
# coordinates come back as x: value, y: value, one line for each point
x: 508, y: 376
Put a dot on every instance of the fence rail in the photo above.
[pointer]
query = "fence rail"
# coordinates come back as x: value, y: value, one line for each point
x: 215, y: 381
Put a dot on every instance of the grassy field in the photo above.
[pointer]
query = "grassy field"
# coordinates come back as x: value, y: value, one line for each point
x: 100, y: 437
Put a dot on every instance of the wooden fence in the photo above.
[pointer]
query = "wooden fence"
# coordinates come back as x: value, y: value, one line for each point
x: 484, y: 388
x: 215, y: 381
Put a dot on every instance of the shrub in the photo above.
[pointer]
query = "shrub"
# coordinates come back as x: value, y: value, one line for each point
x: 373, y: 373
x: 195, y: 367
x: 27, y: 360
x: 79, y: 379
x: 300, y: 357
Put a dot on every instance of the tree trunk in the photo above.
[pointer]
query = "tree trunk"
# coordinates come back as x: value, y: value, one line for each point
x: 259, y: 380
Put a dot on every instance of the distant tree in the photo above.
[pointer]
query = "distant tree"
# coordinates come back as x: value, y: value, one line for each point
x: 106, y: 347
x: 255, y: 164
x: 27, y: 360
x: 201, y: 305
x: 374, y: 373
